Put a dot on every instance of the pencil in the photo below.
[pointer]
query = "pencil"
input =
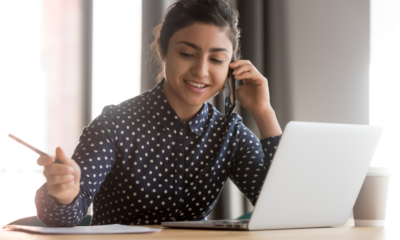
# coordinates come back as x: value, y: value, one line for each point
x: 32, y: 148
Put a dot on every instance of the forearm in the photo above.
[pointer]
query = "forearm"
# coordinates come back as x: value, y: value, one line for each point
x: 267, y: 123
x: 251, y: 162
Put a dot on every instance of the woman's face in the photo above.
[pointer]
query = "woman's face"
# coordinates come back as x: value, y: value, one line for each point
x: 196, y: 64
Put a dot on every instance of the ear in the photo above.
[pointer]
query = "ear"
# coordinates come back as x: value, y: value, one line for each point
x: 159, y: 50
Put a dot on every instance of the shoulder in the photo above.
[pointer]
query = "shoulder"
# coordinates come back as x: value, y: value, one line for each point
x: 128, y: 106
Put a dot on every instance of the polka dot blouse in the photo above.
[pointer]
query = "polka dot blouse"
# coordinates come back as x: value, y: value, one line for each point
x: 141, y: 164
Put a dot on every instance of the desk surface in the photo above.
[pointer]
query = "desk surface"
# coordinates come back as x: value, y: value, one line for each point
x: 345, y: 232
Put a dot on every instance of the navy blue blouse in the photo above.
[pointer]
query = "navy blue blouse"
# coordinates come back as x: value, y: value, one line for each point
x: 141, y: 164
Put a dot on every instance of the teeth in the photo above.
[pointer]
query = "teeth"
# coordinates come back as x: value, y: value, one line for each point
x: 196, y: 84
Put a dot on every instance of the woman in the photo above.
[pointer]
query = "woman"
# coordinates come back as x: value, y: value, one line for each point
x: 166, y: 154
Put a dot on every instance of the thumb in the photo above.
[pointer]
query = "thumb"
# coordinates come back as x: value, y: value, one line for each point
x: 61, y: 156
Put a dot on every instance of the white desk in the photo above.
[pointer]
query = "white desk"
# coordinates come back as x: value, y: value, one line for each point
x: 343, y: 233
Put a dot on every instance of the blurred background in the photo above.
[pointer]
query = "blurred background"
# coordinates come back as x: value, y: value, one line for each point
x: 62, y: 61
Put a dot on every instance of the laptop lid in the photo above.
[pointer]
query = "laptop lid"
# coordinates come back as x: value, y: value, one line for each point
x: 315, y: 176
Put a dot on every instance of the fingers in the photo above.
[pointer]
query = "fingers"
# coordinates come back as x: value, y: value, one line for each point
x: 243, y: 68
x: 57, y: 169
x: 61, y: 156
x: 60, y: 189
x: 245, y: 71
x: 239, y: 63
x: 45, y: 160
x: 245, y: 75
x: 250, y: 78
x: 60, y: 179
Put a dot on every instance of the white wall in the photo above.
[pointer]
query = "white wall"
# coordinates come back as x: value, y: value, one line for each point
x: 323, y: 74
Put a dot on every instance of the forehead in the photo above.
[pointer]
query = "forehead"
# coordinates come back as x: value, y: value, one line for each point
x: 205, y: 36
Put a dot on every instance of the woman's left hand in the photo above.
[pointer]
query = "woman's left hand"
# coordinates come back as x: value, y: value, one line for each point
x: 254, y: 94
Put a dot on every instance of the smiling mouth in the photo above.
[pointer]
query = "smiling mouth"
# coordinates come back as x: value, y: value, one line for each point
x: 197, y: 85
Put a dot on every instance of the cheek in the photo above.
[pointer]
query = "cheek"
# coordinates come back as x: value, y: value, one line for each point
x: 174, y: 66
x: 170, y: 69
x: 219, y: 76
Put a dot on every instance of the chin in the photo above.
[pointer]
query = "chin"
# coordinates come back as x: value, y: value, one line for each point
x: 194, y: 103
x: 191, y: 100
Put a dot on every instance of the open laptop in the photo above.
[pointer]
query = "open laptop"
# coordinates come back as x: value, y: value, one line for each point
x: 313, y: 181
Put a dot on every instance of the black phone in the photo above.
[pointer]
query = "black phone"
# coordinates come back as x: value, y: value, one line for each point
x: 230, y: 93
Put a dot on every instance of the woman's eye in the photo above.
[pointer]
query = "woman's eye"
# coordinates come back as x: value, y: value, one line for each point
x: 190, y: 55
x: 186, y: 55
x: 217, y: 61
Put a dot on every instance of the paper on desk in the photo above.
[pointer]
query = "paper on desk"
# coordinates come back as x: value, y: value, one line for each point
x: 101, y: 229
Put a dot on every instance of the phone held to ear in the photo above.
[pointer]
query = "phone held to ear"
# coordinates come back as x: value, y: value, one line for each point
x: 230, y: 92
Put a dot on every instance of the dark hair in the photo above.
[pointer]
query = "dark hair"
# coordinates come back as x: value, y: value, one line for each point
x: 183, y: 13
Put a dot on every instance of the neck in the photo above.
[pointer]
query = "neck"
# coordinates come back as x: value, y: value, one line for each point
x: 184, y: 111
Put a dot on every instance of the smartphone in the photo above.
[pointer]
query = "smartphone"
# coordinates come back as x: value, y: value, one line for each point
x: 230, y: 92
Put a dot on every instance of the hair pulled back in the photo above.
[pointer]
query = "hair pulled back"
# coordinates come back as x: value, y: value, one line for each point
x: 184, y: 13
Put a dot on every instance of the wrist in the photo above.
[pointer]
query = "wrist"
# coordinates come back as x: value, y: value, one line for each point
x: 63, y: 201
x: 263, y: 111
x: 267, y: 122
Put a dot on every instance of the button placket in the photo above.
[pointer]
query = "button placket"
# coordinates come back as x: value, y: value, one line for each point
x: 179, y: 168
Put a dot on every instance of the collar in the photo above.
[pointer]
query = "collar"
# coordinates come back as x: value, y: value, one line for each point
x: 167, y: 115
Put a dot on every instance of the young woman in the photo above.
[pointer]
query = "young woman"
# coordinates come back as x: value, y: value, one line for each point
x: 166, y: 154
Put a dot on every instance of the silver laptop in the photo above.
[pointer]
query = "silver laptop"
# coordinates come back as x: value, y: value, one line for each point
x: 313, y: 181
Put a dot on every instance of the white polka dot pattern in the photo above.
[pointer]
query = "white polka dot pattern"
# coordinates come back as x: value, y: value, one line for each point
x: 141, y: 164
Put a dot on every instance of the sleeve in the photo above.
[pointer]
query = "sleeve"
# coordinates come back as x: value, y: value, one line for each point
x: 95, y: 155
x: 251, y: 162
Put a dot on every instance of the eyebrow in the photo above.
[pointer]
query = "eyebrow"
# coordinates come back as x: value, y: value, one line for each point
x: 198, y: 48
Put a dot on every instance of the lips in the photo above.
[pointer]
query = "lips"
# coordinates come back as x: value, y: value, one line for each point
x: 196, y: 82
x: 196, y: 89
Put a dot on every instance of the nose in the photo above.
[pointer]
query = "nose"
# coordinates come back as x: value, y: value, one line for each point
x: 200, y: 68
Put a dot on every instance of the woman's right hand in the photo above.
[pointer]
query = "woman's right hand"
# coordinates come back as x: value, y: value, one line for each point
x: 62, y: 179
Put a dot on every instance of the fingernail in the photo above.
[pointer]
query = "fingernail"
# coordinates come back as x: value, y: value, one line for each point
x: 72, y: 183
x: 71, y: 169
x: 71, y: 176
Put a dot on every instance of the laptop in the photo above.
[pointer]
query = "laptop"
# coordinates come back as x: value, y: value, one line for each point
x: 313, y: 181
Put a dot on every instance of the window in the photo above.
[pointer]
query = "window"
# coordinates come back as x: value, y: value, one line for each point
x: 117, y: 29
x: 23, y: 98
x: 41, y: 83
x: 384, y: 93
x: 40, y: 94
